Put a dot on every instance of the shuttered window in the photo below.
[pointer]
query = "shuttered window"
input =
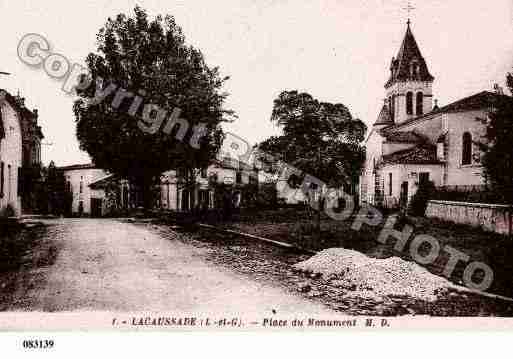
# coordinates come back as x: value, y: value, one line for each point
x: 466, y: 156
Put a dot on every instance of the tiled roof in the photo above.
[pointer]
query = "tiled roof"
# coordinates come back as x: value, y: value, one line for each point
x: 420, y: 155
x: 479, y: 101
x: 101, y: 182
x: 18, y: 104
x: 403, y: 137
x: 77, y: 167
x: 401, y: 65
x: 232, y: 163
x: 384, y: 117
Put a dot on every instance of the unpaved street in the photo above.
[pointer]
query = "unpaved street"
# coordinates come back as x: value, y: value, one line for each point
x: 104, y: 264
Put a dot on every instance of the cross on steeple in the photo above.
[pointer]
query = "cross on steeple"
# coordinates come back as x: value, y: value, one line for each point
x: 409, y: 8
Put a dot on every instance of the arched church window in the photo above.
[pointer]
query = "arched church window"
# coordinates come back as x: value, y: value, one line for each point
x: 466, y: 155
x: 420, y: 103
x: 391, y: 102
x: 409, y: 103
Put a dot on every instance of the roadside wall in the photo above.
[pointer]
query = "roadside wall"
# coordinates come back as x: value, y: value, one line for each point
x: 490, y: 217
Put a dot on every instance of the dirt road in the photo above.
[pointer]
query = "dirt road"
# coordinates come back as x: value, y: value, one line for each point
x: 109, y: 265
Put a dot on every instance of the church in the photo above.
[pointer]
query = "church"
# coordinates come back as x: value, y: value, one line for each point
x: 414, y: 140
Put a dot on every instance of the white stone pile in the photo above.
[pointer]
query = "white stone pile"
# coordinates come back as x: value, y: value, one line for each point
x: 372, y: 278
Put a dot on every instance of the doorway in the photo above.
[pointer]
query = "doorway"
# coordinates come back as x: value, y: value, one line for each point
x: 404, y: 195
x: 96, y: 207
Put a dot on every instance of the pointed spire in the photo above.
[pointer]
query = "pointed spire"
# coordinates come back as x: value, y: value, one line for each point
x: 409, y: 64
x: 384, y: 117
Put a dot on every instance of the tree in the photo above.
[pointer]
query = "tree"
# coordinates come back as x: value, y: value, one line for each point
x: 58, y: 198
x: 152, y: 60
x: 497, y: 158
x: 319, y: 138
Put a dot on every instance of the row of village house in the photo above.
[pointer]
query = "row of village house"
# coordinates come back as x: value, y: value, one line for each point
x: 93, y: 190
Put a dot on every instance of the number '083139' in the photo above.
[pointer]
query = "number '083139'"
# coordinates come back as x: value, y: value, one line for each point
x: 38, y: 344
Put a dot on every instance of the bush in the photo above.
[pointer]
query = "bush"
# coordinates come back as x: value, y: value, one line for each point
x: 419, y: 201
x: 8, y: 211
x: 267, y: 197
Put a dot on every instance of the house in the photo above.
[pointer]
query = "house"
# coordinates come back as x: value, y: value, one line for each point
x: 413, y: 142
x: 82, y: 181
x: 97, y: 193
x: 31, y: 181
x: 222, y: 176
x: 20, y: 152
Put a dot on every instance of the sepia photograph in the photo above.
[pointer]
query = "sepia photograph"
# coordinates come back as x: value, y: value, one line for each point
x: 246, y: 165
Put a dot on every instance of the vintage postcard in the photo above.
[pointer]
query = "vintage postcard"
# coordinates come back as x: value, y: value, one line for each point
x: 252, y: 165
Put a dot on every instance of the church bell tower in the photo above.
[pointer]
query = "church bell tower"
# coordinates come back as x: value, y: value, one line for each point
x: 409, y: 90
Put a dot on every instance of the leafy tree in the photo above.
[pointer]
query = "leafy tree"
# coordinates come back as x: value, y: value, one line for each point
x: 149, y: 58
x: 58, y: 198
x: 497, y: 157
x: 319, y: 138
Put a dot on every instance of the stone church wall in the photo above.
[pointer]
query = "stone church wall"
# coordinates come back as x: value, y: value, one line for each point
x: 489, y: 217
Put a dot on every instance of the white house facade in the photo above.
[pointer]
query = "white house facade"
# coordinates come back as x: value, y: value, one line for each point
x: 10, y: 156
x: 174, y: 195
x: 86, y: 201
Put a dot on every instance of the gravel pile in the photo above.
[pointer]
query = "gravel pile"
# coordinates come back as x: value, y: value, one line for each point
x: 372, y: 278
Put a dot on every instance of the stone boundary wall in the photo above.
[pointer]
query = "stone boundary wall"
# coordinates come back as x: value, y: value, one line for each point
x: 490, y: 217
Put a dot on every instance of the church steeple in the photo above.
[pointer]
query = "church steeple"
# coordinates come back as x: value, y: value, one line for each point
x: 409, y: 87
x: 409, y: 65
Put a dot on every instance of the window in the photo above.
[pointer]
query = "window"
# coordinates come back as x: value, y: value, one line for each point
x: 466, y: 156
x: 420, y: 103
x: 9, y: 182
x: 253, y: 179
x: 81, y: 186
x: 392, y: 107
x: 20, y: 181
x: 238, y: 178
x: 423, y: 178
x: 204, y: 172
x: 2, y: 179
x: 409, y: 103
x: 390, y: 184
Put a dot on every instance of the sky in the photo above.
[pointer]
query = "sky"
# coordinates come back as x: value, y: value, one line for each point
x: 337, y: 50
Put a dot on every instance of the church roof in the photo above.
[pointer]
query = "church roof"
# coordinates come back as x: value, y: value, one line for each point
x: 420, y: 155
x: 384, y: 117
x: 481, y: 100
x: 403, y: 137
x: 409, y: 53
